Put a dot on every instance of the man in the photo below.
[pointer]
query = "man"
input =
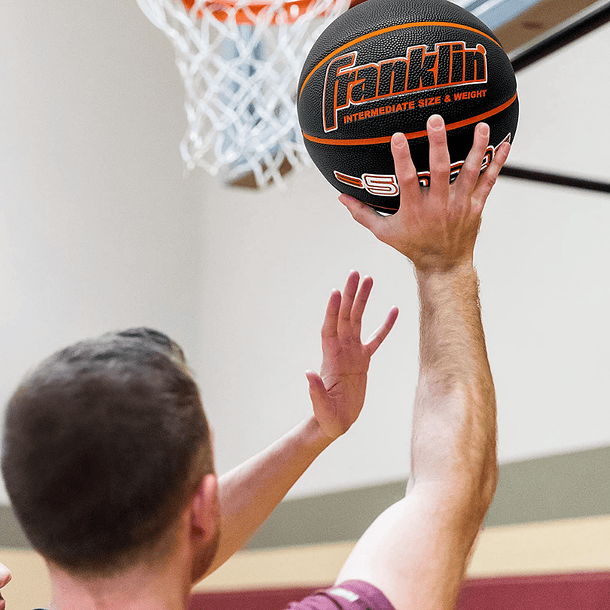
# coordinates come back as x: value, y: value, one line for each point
x: 108, y: 459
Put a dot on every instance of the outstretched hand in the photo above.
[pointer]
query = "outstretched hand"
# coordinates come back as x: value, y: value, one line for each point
x: 338, y: 392
x: 435, y: 227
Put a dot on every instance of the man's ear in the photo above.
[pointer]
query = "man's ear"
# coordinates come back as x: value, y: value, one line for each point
x: 205, y: 513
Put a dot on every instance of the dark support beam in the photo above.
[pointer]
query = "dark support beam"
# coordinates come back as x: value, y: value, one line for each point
x: 550, y: 178
x: 592, y: 19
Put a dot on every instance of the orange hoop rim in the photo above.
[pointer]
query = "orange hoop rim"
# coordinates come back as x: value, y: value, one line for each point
x: 221, y: 10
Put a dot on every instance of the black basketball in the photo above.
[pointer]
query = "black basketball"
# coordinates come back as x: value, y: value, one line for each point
x: 386, y: 66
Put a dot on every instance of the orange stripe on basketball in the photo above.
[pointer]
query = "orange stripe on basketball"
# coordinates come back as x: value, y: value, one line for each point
x: 414, y: 134
x: 380, y: 207
x: 391, y: 29
x: 351, y: 180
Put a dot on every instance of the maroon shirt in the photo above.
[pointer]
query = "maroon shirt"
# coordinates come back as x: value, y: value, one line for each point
x: 349, y: 595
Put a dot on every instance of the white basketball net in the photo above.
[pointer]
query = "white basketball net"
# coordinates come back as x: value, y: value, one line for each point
x: 241, y: 81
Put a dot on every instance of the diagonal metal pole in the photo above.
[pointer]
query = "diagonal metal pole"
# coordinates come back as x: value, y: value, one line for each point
x: 551, y: 178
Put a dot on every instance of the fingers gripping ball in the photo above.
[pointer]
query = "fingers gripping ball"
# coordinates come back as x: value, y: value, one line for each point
x: 385, y: 66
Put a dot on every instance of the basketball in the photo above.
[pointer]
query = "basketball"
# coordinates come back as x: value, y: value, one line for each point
x: 385, y: 66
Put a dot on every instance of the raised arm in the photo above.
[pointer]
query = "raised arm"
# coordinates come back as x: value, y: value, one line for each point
x: 249, y: 493
x: 416, y: 552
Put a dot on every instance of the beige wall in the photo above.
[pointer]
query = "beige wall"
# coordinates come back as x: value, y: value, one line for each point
x: 539, y: 548
x: 30, y: 586
x: 99, y: 229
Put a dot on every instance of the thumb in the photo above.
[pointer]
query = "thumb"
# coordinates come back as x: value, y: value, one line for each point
x: 323, y: 409
x: 317, y: 391
x: 362, y: 213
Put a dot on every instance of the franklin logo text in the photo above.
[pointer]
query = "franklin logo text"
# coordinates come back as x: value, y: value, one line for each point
x: 450, y: 64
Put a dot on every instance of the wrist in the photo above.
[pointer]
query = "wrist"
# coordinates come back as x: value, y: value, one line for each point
x: 463, y: 268
x: 311, y: 436
x: 444, y: 290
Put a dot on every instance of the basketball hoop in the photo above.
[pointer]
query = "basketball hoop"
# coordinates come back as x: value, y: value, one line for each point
x: 240, y: 62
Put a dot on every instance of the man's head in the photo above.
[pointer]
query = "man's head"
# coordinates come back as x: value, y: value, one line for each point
x: 105, y: 443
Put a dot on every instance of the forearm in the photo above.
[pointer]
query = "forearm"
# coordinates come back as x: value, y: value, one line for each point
x: 249, y: 493
x: 454, y: 429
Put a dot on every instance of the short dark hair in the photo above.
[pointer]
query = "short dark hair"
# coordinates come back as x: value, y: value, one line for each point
x: 104, y: 443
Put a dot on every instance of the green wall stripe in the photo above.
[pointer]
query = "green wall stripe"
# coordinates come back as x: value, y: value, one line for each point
x: 568, y: 486
x: 331, y: 517
x: 11, y: 535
